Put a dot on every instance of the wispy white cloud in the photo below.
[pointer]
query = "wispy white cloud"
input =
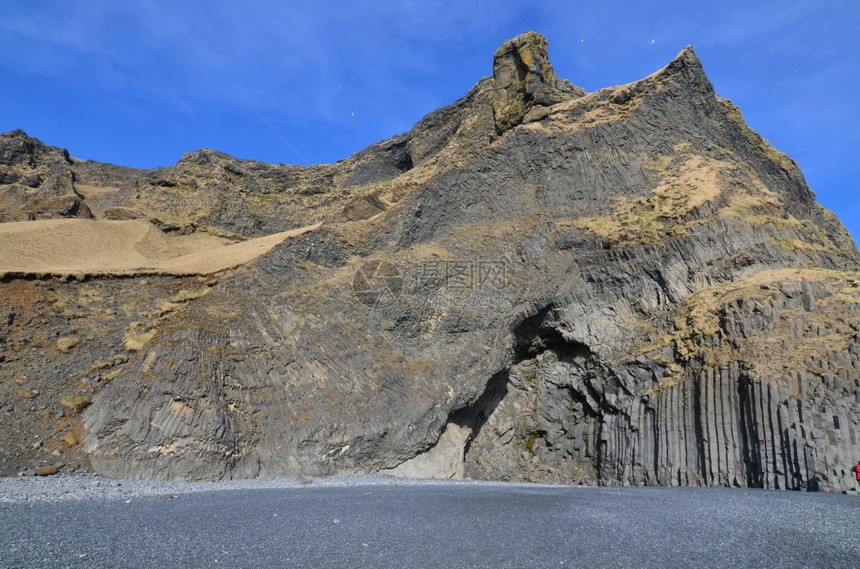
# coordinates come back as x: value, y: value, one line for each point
x: 263, y: 53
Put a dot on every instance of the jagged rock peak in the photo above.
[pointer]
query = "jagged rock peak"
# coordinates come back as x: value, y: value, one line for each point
x: 688, y: 57
x: 688, y: 67
x: 18, y: 148
x: 14, y: 134
x: 205, y: 156
x: 524, y: 77
x: 685, y: 61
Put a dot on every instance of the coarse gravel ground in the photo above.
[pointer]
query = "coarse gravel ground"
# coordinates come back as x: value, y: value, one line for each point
x: 377, y: 521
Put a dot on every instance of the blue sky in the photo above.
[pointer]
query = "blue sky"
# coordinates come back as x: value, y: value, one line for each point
x: 139, y: 83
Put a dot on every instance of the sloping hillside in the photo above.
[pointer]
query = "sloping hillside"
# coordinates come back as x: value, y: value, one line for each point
x: 535, y: 283
x: 90, y: 248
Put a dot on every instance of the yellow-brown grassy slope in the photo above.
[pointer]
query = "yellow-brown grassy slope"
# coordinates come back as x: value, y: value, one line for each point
x: 106, y: 247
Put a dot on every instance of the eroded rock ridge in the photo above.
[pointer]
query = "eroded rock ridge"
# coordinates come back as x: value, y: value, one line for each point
x: 535, y: 283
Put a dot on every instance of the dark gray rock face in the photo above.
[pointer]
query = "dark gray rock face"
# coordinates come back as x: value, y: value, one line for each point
x: 39, y: 180
x: 766, y: 399
x: 17, y: 149
x: 621, y: 287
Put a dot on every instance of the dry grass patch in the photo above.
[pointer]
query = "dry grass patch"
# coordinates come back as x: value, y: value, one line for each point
x: 95, y: 197
x: 66, y: 343
x: 824, y: 332
x: 686, y: 183
x: 80, y: 247
x: 135, y: 339
x: 685, y: 186
x: 76, y: 403
x: 185, y: 295
x: 705, y: 309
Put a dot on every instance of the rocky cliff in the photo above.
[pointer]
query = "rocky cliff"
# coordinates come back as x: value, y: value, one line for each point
x: 535, y: 283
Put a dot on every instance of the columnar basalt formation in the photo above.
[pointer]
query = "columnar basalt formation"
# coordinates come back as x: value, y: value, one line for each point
x: 535, y: 283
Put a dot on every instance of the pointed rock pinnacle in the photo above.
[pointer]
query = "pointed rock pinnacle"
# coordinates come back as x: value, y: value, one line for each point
x: 524, y: 77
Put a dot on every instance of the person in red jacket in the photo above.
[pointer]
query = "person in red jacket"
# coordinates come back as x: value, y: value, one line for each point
x: 856, y: 471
